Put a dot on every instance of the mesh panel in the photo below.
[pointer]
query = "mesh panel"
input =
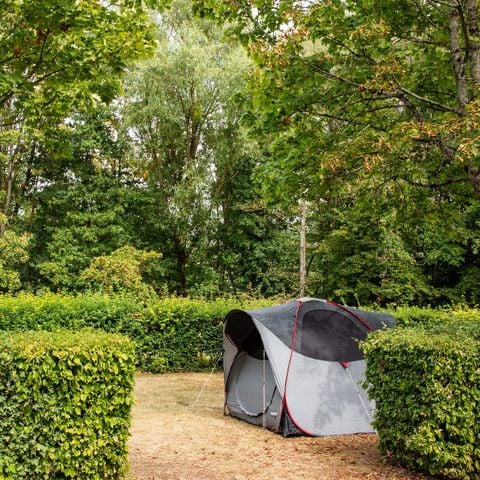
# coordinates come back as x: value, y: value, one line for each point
x: 330, y: 336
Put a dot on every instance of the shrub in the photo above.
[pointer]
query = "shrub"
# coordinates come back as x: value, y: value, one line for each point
x: 417, y: 316
x: 171, y: 334
x: 426, y: 385
x: 53, y: 312
x: 65, y: 403
x: 121, y: 271
x: 13, y: 255
x: 432, y: 318
x: 178, y: 334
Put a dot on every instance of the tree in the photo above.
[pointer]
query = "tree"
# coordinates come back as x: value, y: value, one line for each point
x: 87, y: 205
x: 371, y: 106
x: 181, y: 113
x: 58, y: 57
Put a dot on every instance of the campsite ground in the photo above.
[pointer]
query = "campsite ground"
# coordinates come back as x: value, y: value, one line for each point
x: 177, y: 436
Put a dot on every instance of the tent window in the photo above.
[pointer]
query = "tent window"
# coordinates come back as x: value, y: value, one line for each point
x: 330, y: 336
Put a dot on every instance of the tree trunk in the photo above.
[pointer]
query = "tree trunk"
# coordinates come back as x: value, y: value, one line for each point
x: 458, y: 59
x: 181, y: 260
x: 8, y: 193
x: 473, y: 43
x: 303, y: 246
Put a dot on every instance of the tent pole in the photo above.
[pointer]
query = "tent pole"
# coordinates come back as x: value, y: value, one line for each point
x: 264, y: 420
x: 359, y: 395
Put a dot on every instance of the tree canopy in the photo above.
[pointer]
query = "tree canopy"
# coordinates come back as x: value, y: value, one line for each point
x: 371, y: 112
x: 130, y: 127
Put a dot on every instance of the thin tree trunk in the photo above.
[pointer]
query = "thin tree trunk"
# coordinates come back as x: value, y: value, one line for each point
x: 8, y: 193
x: 458, y: 59
x: 303, y: 246
x: 181, y: 260
x: 474, y: 45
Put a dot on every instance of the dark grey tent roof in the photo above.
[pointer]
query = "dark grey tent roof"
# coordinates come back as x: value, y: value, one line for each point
x: 282, y: 320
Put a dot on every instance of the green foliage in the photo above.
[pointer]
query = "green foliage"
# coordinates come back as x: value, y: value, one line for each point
x: 65, y: 404
x: 424, y: 317
x: 121, y: 272
x: 362, y: 114
x: 59, y: 57
x: 167, y: 169
x: 59, y: 53
x: 190, y: 147
x: 52, y: 312
x: 426, y: 385
x: 13, y: 255
x: 363, y: 259
x: 88, y: 218
x: 170, y: 334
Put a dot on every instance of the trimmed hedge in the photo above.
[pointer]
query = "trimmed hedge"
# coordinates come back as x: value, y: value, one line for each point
x: 53, y: 312
x: 172, y: 334
x: 65, y: 402
x: 177, y: 334
x: 431, y: 318
x: 426, y: 385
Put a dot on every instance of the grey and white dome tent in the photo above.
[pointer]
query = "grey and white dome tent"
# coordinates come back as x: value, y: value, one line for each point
x: 297, y: 368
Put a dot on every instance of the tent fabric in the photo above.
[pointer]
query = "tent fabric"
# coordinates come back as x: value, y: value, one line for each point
x: 296, y: 368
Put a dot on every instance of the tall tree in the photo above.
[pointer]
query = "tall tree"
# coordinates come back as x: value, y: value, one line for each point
x: 371, y: 107
x: 182, y: 116
x: 58, y: 57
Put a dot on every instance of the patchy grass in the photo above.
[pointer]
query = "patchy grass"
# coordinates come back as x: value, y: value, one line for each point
x: 176, y: 438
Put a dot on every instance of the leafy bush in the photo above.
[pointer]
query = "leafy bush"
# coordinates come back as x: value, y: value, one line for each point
x: 426, y: 384
x: 53, y: 312
x: 121, y: 271
x: 13, y: 254
x: 65, y: 404
x: 416, y: 316
x: 431, y: 318
x: 171, y: 334
x: 177, y: 334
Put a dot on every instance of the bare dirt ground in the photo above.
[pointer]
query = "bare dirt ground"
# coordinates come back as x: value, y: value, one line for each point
x: 175, y: 437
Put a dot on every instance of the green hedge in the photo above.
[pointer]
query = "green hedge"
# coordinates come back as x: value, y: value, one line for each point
x: 426, y: 384
x: 171, y: 334
x: 431, y: 318
x: 53, y: 312
x: 179, y: 334
x: 65, y: 400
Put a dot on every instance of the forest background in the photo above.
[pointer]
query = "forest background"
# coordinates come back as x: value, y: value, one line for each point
x: 162, y: 150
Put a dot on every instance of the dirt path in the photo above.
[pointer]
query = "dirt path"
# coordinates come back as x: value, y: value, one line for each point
x: 172, y: 439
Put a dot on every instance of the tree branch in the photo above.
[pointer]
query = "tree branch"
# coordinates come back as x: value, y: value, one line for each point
x: 428, y: 101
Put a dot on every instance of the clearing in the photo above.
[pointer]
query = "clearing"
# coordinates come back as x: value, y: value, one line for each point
x: 176, y: 438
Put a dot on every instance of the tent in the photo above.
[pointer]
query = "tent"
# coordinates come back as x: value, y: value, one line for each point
x: 297, y: 369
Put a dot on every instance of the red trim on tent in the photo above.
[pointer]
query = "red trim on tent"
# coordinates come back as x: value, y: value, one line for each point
x: 343, y: 364
x: 284, y: 400
x: 354, y: 315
